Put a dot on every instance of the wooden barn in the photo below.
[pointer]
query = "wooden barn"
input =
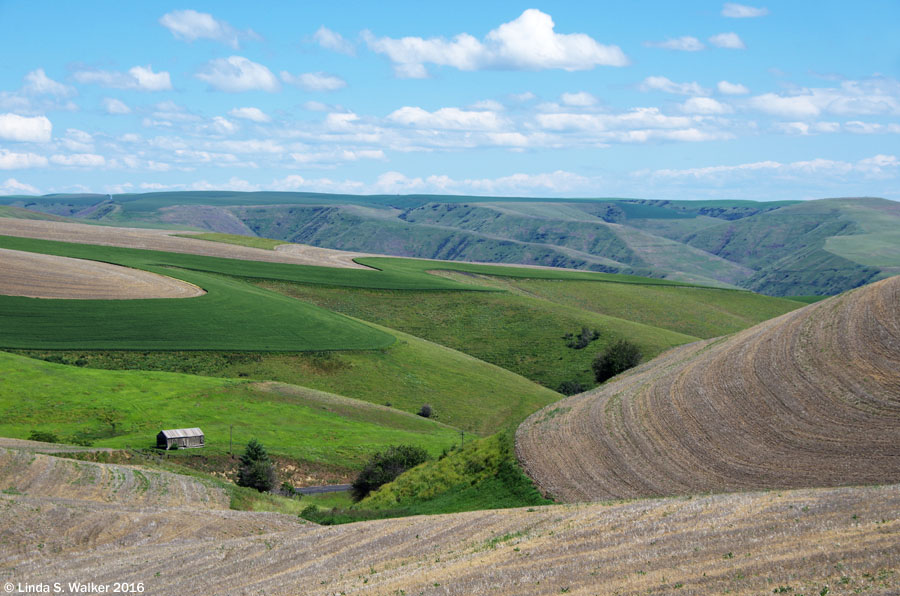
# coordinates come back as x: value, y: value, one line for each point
x: 180, y: 438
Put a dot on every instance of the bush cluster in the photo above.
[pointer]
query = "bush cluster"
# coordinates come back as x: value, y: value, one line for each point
x: 617, y: 358
x: 384, y: 467
x: 257, y: 470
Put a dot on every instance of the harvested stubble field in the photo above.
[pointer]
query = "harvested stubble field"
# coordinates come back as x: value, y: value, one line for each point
x: 173, y: 241
x: 847, y: 539
x: 34, y: 275
x: 811, y: 398
x: 24, y: 472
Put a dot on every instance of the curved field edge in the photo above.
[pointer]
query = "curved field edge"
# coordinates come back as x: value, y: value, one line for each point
x: 835, y: 541
x: 807, y: 399
x: 128, y: 408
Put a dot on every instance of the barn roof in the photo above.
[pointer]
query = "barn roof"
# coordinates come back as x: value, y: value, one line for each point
x: 181, y: 433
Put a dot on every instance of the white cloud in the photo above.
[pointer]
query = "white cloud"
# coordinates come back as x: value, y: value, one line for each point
x: 488, y: 104
x: 669, y: 86
x: 20, y: 161
x: 78, y: 141
x: 682, y: 44
x: 705, y: 105
x: 141, y: 78
x: 317, y: 106
x: 22, y: 128
x: 254, y: 114
x: 729, y: 41
x: 331, y: 40
x: 314, y: 81
x: 875, y: 166
x: 636, y: 118
x: 873, y: 96
x: 727, y: 88
x: 223, y: 126
x: 527, y: 43
x: 14, y: 187
x: 81, y: 160
x: 524, y: 97
x: 580, y: 99
x: 250, y: 146
x: 236, y: 73
x: 190, y: 25
x: 447, y: 118
x: 330, y: 157
x: 38, y: 83
x: 742, y: 11
x: 115, y: 106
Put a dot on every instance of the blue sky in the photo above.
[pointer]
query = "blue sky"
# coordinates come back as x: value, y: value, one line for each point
x: 771, y: 100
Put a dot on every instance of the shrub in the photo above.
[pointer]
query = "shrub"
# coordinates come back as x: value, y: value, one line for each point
x: 384, y: 467
x: 617, y: 358
x: 43, y: 436
x: 256, y: 469
x: 570, y: 387
x: 581, y: 340
x: 426, y: 411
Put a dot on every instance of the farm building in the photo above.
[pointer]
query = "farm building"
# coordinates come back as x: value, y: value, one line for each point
x: 180, y: 438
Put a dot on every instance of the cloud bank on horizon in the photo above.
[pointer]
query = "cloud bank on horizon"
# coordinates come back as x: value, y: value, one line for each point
x: 694, y: 100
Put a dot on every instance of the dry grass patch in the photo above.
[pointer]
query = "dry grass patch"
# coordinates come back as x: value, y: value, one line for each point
x: 810, y: 398
x: 35, y: 275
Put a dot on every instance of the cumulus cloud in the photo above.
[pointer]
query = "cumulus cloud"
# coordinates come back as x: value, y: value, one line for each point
x: 527, y: 43
x: 14, y: 187
x: 254, y: 114
x: 875, y: 166
x: 729, y: 41
x: 80, y: 160
x: 115, y: 106
x: 668, y: 86
x: 36, y: 129
x: 236, y: 73
x: 20, y: 161
x: 78, y: 141
x: 580, y: 99
x: 705, y: 105
x: 727, y: 88
x: 331, y: 40
x: 742, y: 11
x: 314, y: 81
x: 447, y: 118
x: 682, y: 44
x: 190, y: 25
x: 141, y: 78
x: 38, y: 83
x: 869, y: 97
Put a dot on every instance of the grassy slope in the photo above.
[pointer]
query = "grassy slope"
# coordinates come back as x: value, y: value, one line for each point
x: 518, y: 333
x: 294, y: 421
x: 464, y: 392
x: 699, y: 312
x: 253, y: 242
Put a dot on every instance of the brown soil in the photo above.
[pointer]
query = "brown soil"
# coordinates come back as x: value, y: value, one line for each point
x: 811, y: 398
x: 47, y: 276
x: 165, y: 240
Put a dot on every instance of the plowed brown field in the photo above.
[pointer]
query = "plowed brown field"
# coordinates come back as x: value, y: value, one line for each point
x: 811, y: 398
x: 164, y: 240
x: 47, y: 276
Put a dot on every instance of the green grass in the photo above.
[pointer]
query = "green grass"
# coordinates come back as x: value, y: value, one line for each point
x: 233, y: 315
x: 251, y: 241
x: 516, y: 332
x: 127, y: 408
x: 481, y: 475
x: 694, y: 311
x: 464, y: 392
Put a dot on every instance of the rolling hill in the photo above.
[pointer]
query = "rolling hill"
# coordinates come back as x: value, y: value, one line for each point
x: 834, y: 541
x: 783, y: 248
x: 806, y: 399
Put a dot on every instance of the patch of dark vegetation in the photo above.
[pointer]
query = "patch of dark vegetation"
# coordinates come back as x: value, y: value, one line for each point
x: 616, y: 359
x: 43, y: 436
x: 571, y: 388
x: 257, y: 470
x: 581, y: 340
x: 386, y: 466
